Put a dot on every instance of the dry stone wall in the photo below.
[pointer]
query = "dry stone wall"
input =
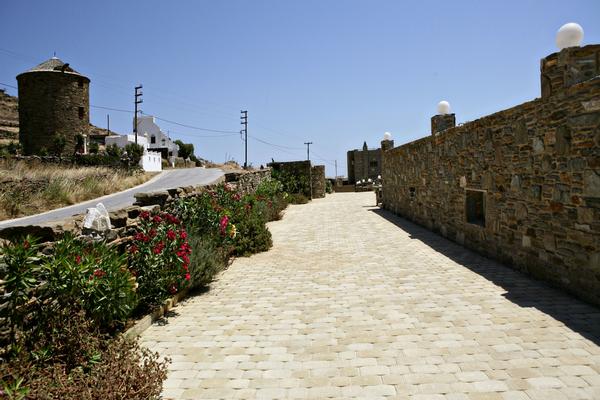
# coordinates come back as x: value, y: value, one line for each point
x: 521, y: 185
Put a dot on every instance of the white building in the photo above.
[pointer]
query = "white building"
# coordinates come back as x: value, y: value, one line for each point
x: 157, y: 139
x: 124, y: 140
x: 151, y: 161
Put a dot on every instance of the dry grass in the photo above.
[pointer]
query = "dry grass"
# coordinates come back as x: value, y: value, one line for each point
x: 27, y: 188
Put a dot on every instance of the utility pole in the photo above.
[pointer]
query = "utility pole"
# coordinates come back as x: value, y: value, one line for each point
x: 108, y: 124
x: 138, y: 93
x: 336, y: 169
x: 244, y: 122
x: 308, y: 150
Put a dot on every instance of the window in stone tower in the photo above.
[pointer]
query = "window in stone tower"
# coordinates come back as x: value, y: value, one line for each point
x: 81, y: 112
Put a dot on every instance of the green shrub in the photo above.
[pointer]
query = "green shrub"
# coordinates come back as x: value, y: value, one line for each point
x: 252, y: 234
x: 297, y: 198
x: 20, y: 273
x: 73, y: 360
x: 159, y: 258
x: 94, y: 275
x: 208, y: 258
x: 94, y: 148
x: 292, y: 183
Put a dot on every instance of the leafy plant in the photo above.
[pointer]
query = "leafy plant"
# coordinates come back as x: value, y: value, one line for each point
x: 93, y: 275
x: 159, y: 258
x: 20, y: 276
x: 58, y: 145
x: 94, y: 148
x: 134, y: 152
x: 208, y: 258
x: 82, y: 363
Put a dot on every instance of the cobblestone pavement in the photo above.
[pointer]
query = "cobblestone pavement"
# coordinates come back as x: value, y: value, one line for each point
x: 353, y: 302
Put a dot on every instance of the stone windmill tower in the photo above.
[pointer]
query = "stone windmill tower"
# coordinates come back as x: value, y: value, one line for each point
x: 54, y: 101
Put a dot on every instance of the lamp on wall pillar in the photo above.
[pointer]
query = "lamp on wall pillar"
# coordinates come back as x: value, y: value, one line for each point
x: 444, y: 118
x: 387, y: 136
x: 569, y: 35
x: 443, y: 108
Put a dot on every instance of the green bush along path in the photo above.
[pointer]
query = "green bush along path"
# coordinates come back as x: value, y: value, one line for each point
x: 352, y: 302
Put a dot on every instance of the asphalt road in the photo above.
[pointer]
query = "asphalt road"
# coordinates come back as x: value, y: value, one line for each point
x: 165, y: 180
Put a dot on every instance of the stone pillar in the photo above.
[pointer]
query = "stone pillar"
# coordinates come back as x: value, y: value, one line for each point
x: 567, y: 67
x: 318, y: 181
x: 387, y: 145
x: 442, y: 122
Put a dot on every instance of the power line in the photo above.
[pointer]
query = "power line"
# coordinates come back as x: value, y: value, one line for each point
x: 112, y: 109
x: 193, y: 127
x: 7, y: 85
x: 276, y: 145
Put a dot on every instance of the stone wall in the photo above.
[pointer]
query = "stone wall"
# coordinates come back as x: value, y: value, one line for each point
x: 248, y: 181
x: 318, y: 181
x: 52, y: 104
x: 521, y: 185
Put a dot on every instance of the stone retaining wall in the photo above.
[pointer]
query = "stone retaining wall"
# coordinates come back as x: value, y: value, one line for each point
x: 521, y: 185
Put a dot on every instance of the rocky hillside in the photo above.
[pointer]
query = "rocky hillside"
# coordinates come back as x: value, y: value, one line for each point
x: 9, y: 117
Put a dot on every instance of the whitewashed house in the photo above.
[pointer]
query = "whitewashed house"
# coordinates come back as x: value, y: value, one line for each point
x: 157, y: 139
x: 151, y: 161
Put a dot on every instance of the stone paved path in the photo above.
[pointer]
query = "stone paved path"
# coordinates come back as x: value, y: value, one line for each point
x: 352, y: 302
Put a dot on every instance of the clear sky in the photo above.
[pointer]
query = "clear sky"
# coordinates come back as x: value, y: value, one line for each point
x: 335, y: 73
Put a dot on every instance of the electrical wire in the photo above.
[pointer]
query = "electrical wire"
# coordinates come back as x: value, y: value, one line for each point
x: 112, y: 109
x: 7, y: 85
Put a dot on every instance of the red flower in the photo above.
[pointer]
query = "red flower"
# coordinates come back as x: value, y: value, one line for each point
x: 26, y: 244
x: 157, y: 219
x: 77, y: 259
x: 173, y: 288
x: 141, y: 237
x: 185, y: 259
x: 158, y: 248
x: 182, y: 234
x: 237, y: 197
x: 133, y: 249
x: 144, y: 215
x: 188, y: 276
x: 152, y: 233
x: 99, y: 273
x: 223, y: 224
x: 171, y: 235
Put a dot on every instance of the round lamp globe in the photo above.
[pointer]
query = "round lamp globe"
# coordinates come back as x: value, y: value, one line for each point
x: 443, y: 108
x: 569, y: 35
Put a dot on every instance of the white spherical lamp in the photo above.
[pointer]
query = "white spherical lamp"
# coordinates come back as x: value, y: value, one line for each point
x: 387, y: 136
x: 443, y: 108
x: 569, y: 35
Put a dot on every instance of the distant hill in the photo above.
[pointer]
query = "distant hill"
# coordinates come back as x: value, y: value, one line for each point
x: 9, y: 119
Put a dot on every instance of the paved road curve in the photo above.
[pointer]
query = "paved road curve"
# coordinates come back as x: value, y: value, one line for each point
x: 352, y: 302
x: 166, y: 180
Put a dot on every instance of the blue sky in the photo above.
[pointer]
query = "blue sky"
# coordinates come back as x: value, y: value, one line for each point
x: 336, y: 73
